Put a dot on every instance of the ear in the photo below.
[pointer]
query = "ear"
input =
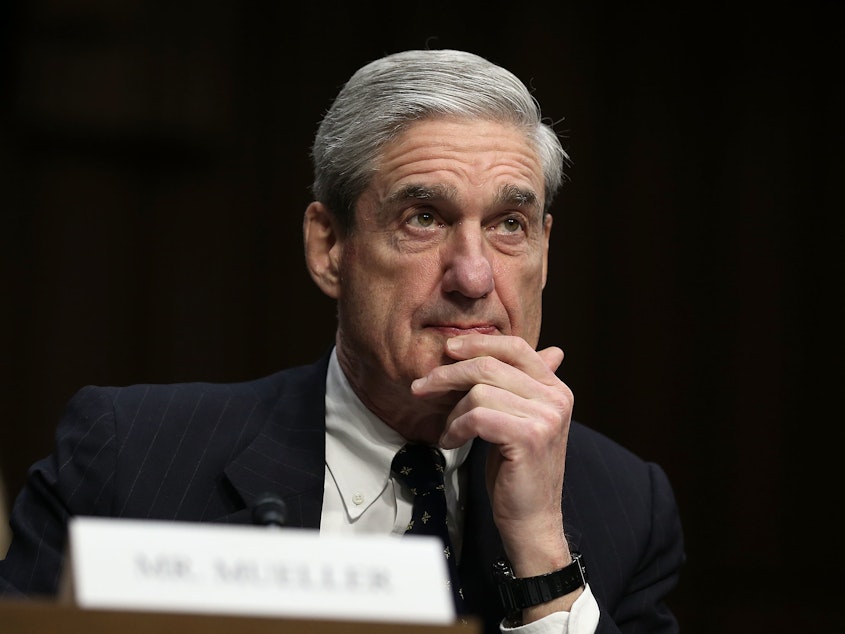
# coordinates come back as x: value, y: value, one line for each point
x: 547, y: 232
x: 323, y: 247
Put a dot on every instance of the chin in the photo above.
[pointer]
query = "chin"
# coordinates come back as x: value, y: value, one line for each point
x: 421, y: 358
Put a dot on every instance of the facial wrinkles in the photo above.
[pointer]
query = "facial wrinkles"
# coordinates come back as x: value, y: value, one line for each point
x: 394, y: 311
x: 508, y: 195
x: 492, y: 152
x: 449, y: 177
x: 495, y: 162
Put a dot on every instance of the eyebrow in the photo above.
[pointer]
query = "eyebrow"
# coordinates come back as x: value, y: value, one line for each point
x: 510, y: 195
x: 517, y: 196
x: 424, y: 192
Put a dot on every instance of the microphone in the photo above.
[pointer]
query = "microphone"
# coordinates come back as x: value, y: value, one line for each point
x: 269, y: 510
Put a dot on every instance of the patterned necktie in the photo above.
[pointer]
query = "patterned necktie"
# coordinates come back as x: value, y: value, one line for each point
x: 420, y: 468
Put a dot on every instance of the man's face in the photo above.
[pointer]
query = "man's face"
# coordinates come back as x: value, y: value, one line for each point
x: 449, y: 238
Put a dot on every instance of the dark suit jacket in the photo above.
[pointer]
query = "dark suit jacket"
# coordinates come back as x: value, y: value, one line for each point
x: 203, y: 452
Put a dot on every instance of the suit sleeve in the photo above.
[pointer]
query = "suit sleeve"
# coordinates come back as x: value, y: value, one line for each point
x: 76, y: 479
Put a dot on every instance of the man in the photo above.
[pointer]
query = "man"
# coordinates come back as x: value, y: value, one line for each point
x: 430, y: 228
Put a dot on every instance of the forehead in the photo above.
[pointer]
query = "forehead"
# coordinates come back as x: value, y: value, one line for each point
x: 460, y: 155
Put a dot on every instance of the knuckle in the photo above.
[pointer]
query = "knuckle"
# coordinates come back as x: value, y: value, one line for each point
x: 477, y: 394
x: 486, y: 366
x: 562, y: 397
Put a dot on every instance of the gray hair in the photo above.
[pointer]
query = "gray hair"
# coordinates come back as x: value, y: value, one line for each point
x: 384, y: 97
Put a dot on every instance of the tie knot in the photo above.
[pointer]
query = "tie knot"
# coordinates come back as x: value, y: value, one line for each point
x: 420, y: 468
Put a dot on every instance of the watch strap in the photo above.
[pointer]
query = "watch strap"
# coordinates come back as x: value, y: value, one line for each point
x: 517, y: 594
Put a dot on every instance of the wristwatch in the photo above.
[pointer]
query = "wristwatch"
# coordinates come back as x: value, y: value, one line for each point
x: 517, y: 594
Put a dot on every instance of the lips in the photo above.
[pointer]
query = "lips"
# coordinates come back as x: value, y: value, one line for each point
x: 453, y: 330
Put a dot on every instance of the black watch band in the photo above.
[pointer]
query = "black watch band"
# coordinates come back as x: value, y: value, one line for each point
x: 518, y: 594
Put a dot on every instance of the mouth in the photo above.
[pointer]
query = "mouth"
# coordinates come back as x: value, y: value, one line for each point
x: 453, y: 330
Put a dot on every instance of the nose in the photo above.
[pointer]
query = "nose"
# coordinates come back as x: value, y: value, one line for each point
x: 468, y: 269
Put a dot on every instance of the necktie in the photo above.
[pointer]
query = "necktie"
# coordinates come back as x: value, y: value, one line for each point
x: 420, y: 468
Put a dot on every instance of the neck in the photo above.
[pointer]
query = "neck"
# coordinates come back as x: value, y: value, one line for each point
x: 417, y: 420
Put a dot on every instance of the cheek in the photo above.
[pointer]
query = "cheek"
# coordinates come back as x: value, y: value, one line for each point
x: 380, y: 299
x: 521, y: 293
x: 406, y: 282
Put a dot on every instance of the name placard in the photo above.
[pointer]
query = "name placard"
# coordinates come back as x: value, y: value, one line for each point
x: 252, y: 570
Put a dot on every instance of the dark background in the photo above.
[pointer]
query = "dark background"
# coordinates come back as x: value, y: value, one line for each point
x: 154, y: 171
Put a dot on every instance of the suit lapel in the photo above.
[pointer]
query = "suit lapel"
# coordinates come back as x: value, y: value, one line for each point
x: 481, y: 541
x: 287, y: 457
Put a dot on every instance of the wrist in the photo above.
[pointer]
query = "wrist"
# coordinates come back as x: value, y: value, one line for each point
x: 537, y: 553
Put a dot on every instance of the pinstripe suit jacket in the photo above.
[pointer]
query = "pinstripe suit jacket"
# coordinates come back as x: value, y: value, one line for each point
x: 203, y: 452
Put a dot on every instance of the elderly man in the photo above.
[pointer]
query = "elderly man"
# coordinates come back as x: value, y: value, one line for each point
x: 430, y: 227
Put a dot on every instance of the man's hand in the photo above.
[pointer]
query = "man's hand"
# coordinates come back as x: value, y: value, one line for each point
x: 515, y: 401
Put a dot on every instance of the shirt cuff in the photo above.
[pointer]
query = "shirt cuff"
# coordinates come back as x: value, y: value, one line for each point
x: 583, y: 618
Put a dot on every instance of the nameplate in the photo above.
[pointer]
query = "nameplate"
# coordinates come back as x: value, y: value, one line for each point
x: 252, y: 570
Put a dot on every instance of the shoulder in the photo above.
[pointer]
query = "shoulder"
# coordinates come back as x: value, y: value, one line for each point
x: 599, y: 454
x: 591, y: 447
x: 179, y: 436
x: 606, y: 480
x: 197, y: 399
x: 148, y: 417
x: 622, y: 515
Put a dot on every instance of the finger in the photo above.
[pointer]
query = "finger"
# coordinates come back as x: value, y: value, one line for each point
x: 507, y: 362
x: 498, y: 416
x: 514, y: 351
x: 492, y: 425
x: 462, y: 376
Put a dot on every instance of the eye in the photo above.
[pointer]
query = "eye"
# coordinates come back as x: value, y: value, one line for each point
x: 509, y: 226
x: 422, y: 219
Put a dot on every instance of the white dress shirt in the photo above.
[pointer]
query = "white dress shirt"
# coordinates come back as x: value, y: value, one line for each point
x: 360, y: 496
